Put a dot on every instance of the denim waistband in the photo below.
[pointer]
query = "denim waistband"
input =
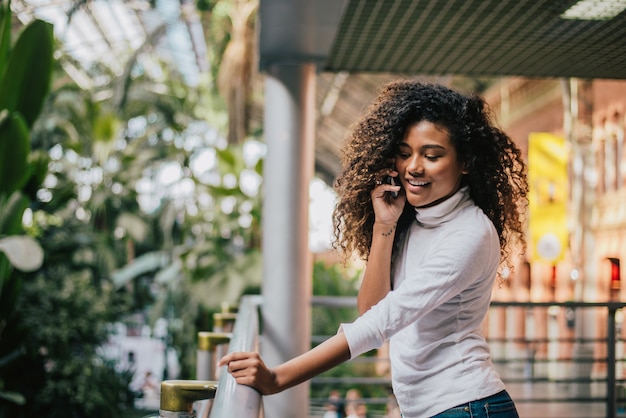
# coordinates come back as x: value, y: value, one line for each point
x: 499, y: 395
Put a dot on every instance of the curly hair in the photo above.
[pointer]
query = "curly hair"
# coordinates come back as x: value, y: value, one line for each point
x: 496, y: 170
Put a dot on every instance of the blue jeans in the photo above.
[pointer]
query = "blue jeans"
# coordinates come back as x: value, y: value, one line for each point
x: 499, y: 405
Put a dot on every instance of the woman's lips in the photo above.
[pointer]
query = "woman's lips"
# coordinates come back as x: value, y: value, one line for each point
x: 416, y: 183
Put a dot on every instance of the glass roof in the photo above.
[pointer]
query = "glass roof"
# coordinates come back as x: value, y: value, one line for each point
x: 99, y: 38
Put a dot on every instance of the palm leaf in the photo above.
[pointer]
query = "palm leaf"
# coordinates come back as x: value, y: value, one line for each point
x: 14, y: 150
x: 24, y: 86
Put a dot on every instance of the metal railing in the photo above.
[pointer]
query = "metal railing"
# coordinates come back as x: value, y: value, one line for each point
x: 216, y: 394
x: 231, y: 399
x: 583, y: 366
x: 552, y: 362
x: 592, y: 377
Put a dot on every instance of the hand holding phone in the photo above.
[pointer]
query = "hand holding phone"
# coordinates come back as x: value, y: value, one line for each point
x: 393, y: 181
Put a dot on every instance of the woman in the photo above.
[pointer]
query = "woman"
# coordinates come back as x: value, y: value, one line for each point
x: 431, y: 195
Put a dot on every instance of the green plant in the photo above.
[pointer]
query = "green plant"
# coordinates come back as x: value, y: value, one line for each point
x: 24, y: 83
x: 333, y: 280
x: 65, y: 313
x: 337, y: 280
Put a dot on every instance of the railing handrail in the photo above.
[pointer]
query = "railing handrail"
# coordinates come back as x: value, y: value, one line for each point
x: 611, y: 359
x: 350, y: 301
x: 231, y: 399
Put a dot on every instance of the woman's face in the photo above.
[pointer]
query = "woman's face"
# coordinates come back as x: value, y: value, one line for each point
x: 427, y: 165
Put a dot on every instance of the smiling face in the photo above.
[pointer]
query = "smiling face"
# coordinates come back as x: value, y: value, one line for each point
x: 427, y: 165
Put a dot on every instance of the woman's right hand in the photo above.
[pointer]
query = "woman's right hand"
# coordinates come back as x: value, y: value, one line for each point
x: 387, y: 209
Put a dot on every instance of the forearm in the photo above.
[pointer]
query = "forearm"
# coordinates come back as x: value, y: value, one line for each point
x: 377, y: 277
x: 323, y: 357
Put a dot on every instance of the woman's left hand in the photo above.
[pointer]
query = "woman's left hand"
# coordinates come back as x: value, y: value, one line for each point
x: 248, y: 369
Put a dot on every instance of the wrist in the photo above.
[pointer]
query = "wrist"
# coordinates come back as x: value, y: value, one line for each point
x: 386, y: 229
x: 278, y: 383
x: 286, y: 375
x: 385, y: 224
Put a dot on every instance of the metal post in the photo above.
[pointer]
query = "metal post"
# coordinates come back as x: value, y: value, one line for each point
x: 223, y: 321
x: 178, y: 396
x: 207, y: 358
x: 611, y: 387
x: 287, y: 267
x: 229, y: 307
x: 208, y: 355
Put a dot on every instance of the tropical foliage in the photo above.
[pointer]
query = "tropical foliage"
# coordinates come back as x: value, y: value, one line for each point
x: 147, y: 206
x: 24, y: 86
x: 144, y: 200
x: 140, y: 207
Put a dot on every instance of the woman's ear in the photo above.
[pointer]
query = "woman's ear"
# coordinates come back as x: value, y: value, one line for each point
x: 467, y: 165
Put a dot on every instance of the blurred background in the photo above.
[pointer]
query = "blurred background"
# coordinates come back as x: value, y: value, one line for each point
x: 136, y: 197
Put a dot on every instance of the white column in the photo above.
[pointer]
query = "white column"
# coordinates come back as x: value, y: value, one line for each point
x: 289, y: 166
x: 577, y: 128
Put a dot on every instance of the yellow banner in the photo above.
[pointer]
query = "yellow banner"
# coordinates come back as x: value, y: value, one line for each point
x: 548, y: 191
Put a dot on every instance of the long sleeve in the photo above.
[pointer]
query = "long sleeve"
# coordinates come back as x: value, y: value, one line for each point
x: 430, y: 276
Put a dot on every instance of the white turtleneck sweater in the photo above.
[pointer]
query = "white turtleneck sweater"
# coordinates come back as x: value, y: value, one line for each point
x: 441, y: 292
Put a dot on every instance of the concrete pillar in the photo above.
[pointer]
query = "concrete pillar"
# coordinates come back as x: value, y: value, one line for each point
x: 289, y: 166
x: 577, y: 104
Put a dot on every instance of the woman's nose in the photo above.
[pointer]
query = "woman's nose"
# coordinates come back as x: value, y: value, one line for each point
x: 415, y: 166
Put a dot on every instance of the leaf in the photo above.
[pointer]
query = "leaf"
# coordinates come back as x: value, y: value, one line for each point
x: 11, y: 356
x: 220, y: 191
x: 10, y: 288
x: 135, y: 226
x: 230, y: 159
x: 61, y: 196
x: 105, y: 131
x: 11, y: 213
x: 169, y: 274
x: 39, y: 161
x: 23, y: 252
x: 26, y: 80
x: 258, y: 167
x: 14, y: 150
x: 5, y: 35
x: 141, y: 265
x: 14, y: 397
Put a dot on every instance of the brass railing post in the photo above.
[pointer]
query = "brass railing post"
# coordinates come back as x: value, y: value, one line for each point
x: 178, y: 396
x: 224, y: 321
x: 207, y: 354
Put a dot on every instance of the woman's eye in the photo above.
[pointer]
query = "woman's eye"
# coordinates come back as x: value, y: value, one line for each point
x: 432, y: 157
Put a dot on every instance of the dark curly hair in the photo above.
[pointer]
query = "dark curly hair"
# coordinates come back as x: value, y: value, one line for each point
x: 496, y: 171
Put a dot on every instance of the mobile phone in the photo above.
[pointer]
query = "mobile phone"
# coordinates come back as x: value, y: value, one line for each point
x: 393, y: 181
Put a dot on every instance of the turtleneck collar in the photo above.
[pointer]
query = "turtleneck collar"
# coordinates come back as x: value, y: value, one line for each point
x: 433, y: 216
